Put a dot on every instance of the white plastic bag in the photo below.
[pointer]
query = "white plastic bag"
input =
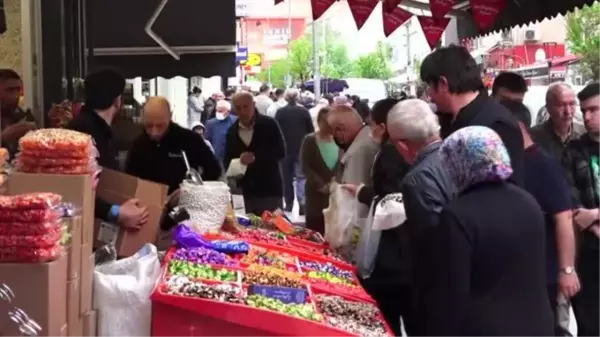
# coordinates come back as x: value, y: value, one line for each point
x: 340, y: 217
x: 122, y: 294
x: 207, y: 204
x: 368, y: 244
x: 389, y: 212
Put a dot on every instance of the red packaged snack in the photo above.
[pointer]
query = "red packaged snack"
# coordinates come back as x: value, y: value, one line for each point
x: 60, y: 161
x: 40, y: 200
x: 47, y: 240
x: 56, y: 154
x: 56, y: 140
x: 31, y: 215
x: 26, y: 254
x: 76, y: 169
x: 29, y: 228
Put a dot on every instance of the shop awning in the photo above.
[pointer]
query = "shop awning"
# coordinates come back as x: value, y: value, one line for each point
x: 203, y: 37
x: 518, y: 13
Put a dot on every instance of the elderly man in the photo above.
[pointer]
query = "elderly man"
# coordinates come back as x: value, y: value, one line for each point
x: 156, y: 155
x: 256, y: 141
x: 426, y: 188
x: 554, y: 134
x: 262, y: 100
x: 210, y: 106
x: 295, y: 123
x: 217, y: 127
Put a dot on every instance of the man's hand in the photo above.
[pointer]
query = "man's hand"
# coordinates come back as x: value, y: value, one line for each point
x: 584, y: 218
x: 17, y: 130
x: 568, y: 284
x: 132, y: 215
x: 247, y: 158
x: 352, y: 189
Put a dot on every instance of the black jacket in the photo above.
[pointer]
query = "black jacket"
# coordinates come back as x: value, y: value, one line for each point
x: 392, y: 264
x: 295, y: 123
x: 484, y: 111
x: 487, y: 275
x: 90, y: 123
x: 263, y: 177
x: 162, y: 162
x: 210, y: 108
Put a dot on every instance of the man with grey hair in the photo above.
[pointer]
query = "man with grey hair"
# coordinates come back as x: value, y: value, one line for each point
x: 559, y: 129
x: 295, y: 123
x: 415, y: 131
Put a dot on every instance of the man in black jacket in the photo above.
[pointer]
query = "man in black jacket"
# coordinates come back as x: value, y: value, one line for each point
x: 103, y: 101
x: 295, y: 123
x: 256, y: 140
x: 456, y: 87
x: 157, y: 154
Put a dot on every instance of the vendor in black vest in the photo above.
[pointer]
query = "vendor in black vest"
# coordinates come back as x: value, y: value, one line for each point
x: 456, y: 87
x: 156, y: 155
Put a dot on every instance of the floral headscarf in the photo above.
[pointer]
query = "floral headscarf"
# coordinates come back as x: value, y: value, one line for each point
x: 475, y: 154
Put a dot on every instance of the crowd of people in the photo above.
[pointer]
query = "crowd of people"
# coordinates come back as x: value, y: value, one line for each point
x: 502, y: 228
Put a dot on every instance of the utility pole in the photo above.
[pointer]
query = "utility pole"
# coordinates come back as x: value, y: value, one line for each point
x: 289, y: 76
x: 317, y: 75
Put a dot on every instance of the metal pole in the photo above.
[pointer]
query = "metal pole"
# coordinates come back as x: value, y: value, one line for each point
x: 289, y: 77
x: 317, y: 75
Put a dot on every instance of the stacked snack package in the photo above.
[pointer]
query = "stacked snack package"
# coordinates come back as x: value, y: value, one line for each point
x: 3, y: 160
x: 30, y: 227
x: 56, y: 151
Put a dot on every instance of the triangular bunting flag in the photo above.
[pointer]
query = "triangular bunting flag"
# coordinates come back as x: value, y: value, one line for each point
x: 390, y: 5
x: 433, y: 28
x: 485, y: 12
x: 394, y: 19
x: 361, y: 10
x: 439, y: 8
x: 319, y: 7
x: 277, y: 2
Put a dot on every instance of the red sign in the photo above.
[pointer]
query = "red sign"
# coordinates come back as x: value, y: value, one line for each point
x: 361, y: 10
x: 433, y: 28
x: 319, y: 7
x: 394, y: 19
x: 390, y: 5
x: 485, y: 12
x: 439, y: 8
x: 270, y: 36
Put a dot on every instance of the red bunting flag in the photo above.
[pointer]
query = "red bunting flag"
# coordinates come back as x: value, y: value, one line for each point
x: 433, y: 28
x: 277, y: 2
x: 319, y: 7
x: 361, y: 10
x: 390, y: 5
x: 439, y: 8
x: 485, y: 12
x: 394, y: 19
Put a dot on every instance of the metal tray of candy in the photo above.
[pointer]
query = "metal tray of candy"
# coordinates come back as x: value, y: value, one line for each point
x: 183, y: 312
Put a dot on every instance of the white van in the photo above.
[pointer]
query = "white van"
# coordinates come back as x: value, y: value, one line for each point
x: 366, y: 88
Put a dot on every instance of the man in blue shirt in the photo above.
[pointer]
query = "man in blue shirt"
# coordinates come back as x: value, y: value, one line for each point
x: 216, y: 128
x: 545, y: 180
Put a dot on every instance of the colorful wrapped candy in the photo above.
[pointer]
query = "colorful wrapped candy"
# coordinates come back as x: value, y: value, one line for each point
x: 203, y: 255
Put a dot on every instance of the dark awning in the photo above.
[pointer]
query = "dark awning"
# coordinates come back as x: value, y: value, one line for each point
x: 204, y: 36
x: 520, y: 12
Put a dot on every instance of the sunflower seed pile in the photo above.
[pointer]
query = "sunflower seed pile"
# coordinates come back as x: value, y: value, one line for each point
x: 360, y: 318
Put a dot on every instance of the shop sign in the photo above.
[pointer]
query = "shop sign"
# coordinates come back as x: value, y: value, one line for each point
x: 276, y: 36
x: 253, y: 60
x: 241, y: 54
x: 529, y: 73
x: 242, y: 8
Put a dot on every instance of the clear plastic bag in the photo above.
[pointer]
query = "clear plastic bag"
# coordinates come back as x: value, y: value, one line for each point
x: 340, y: 217
x: 46, y: 240
x: 29, y: 228
x: 26, y: 254
x: 368, y: 244
x: 56, y: 140
x: 207, y: 204
x: 31, y: 215
x: 389, y: 212
x: 29, y: 201
x: 122, y: 293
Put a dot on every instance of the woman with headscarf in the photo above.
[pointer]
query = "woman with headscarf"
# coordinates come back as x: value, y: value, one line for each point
x: 389, y: 282
x: 487, y: 270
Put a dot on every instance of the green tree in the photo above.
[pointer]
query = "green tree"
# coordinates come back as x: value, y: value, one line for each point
x: 583, y: 38
x: 301, y: 59
x: 276, y: 73
x: 375, y: 64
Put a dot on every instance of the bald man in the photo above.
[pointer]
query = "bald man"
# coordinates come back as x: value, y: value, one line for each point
x: 256, y: 140
x: 156, y: 155
x: 559, y: 129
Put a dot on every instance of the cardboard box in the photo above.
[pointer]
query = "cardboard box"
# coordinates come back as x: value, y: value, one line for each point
x: 74, y: 317
x: 76, y: 189
x: 40, y: 290
x: 90, y: 323
x: 74, y: 249
x: 87, y: 280
x: 116, y: 188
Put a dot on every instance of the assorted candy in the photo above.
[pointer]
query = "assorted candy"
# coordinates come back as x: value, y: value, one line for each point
x: 269, y: 258
x: 306, y: 311
x: 273, y: 277
x: 329, y: 277
x: 342, y: 289
x: 363, y: 319
x: 203, y: 271
x: 218, y: 292
x: 327, y: 268
x: 203, y: 255
x: 307, y: 234
x: 258, y: 235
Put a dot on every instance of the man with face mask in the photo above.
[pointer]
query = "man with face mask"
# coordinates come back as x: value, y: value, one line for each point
x: 216, y: 128
x: 156, y: 155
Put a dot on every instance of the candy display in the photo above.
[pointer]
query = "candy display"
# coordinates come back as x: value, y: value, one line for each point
x: 55, y: 140
x: 329, y: 277
x: 20, y: 254
x: 269, y: 258
x: 204, y: 256
x: 272, y: 276
x: 203, y: 271
x: 342, y: 289
x: 29, y: 228
x: 258, y: 235
x: 306, y: 311
x: 307, y: 234
x: 363, y: 319
x: 217, y: 292
x: 327, y: 268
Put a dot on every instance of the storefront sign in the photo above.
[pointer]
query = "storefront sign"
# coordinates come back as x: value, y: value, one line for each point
x: 253, y: 60
x: 276, y: 36
x: 529, y: 73
x: 241, y: 54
